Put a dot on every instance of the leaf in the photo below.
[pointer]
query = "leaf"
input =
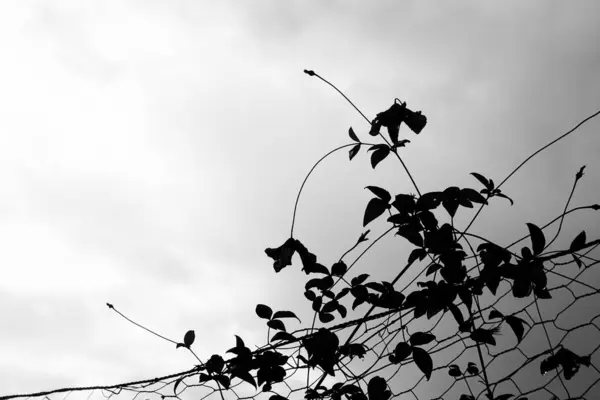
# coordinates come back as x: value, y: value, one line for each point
x: 516, y: 324
x: 283, y: 336
x: 410, y: 234
x: 276, y: 324
x: 538, y: 241
x: 451, y: 205
x: 359, y: 279
x: 432, y: 268
x: 421, y: 338
x: 188, y: 338
x: 482, y: 335
x: 353, y: 135
x: 354, y: 151
x: 326, y: 317
x: 482, y: 179
x: 454, y: 371
x: 374, y: 209
x: 512, y: 203
x: 282, y: 255
x: 377, y: 389
x: 504, y: 397
x: 342, y: 310
x: 416, y: 253
x: 495, y: 314
x: 339, y: 268
x: 466, y: 397
x: 380, y: 153
x: 215, y: 364
x: 277, y: 397
x: 177, y: 382
x: 401, y: 352
x: 423, y: 361
x: 381, y: 193
x: 285, y: 314
x: 264, y: 311
x: 578, y: 243
x: 472, y: 368
x: 473, y: 196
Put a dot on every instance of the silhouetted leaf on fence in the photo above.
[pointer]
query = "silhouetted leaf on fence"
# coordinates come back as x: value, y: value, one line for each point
x: 339, y: 268
x: 381, y: 193
x: 538, y: 241
x: 276, y: 324
x: 377, y: 389
x: 380, y: 152
x: 374, y: 209
x: 423, y: 361
x: 516, y: 324
x: 281, y: 335
x: 401, y: 352
x: 482, y: 335
x: 353, y: 135
x: 579, y: 242
x: 285, y: 314
x: 421, y: 338
x: 354, y: 151
x: 472, y: 368
x: 454, y: 371
x: 282, y: 255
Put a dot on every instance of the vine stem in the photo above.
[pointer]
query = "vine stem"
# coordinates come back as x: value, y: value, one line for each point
x: 306, y: 179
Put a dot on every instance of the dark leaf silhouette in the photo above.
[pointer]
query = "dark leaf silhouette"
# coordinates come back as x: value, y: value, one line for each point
x: 429, y: 201
x: 472, y: 195
x: 264, y: 311
x: 374, y: 209
x: 326, y: 317
x: 285, y: 314
x: 377, y: 389
x: 416, y: 254
x: 512, y: 203
x: 484, y: 181
x: 381, y: 193
x: 423, y: 361
x: 482, y: 335
x: 380, y: 152
x: 538, y: 241
x: 503, y: 397
x: 454, y: 371
x: 339, y: 268
x: 282, y: 255
x: 359, y: 279
x: 472, y: 368
x: 353, y: 135
x: 177, y: 383
x: 189, y: 338
x: 404, y: 203
x: 353, y: 151
x: 579, y: 242
x: 516, y: 324
x: 410, y: 234
x: 276, y: 324
x: 421, y: 338
x: 353, y: 350
x: 466, y: 397
x: 283, y: 336
x: 215, y: 364
x: 433, y: 268
x: 401, y: 352
x: 495, y: 314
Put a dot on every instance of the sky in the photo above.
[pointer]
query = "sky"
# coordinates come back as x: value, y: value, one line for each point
x: 151, y: 150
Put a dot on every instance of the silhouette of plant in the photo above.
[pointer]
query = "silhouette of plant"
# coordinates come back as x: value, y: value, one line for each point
x: 445, y: 323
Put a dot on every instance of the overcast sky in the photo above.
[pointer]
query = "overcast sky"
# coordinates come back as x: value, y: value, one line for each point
x: 151, y: 150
